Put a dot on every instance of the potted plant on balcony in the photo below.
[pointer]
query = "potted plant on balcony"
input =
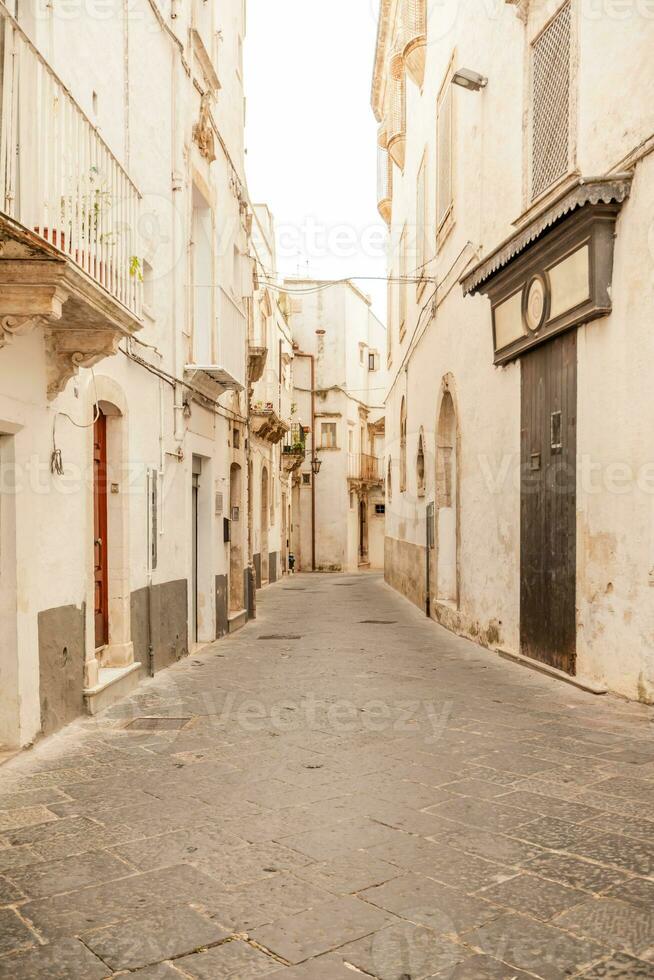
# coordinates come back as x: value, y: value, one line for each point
x: 83, y: 210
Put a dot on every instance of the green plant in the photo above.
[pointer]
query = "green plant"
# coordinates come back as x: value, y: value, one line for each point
x: 135, y: 268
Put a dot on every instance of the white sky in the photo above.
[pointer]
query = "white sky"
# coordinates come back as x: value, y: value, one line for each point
x: 311, y: 136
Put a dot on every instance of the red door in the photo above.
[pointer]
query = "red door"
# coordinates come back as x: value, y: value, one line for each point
x: 100, y: 531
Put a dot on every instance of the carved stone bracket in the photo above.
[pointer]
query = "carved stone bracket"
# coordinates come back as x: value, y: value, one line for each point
x: 70, y: 350
x: 18, y: 326
x: 203, y: 134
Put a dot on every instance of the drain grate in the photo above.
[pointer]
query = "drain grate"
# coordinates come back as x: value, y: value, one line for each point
x: 379, y: 622
x: 148, y: 724
x: 280, y: 636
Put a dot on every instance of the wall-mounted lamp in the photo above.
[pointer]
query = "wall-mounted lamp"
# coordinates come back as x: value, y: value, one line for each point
x: 471, y: 80
x: 315, y: 465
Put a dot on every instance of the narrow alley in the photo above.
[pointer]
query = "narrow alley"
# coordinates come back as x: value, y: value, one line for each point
x: 341, y: 786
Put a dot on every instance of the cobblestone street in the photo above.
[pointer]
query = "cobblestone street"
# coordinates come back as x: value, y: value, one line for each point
x: 342, y: 786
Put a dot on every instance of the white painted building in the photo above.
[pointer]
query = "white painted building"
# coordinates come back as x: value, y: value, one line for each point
x: 124, y: 232
x: 517, y: 176
x: 271, y: 396
x: 339, y: 382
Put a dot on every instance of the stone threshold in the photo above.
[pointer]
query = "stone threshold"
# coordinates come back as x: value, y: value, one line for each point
x: 113, y: 684
x: 580, y: 682
x: 237, y: 620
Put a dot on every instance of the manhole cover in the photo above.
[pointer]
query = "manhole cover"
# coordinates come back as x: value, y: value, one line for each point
x: 378, y: 622
x: 147, y: 724
x: 280, y: 636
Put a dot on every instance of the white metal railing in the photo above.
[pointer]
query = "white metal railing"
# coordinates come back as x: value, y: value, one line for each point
x: 232, y: 337
x: 58, y: 178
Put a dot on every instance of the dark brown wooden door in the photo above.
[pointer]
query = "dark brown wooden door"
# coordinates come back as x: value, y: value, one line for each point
x: 100, y: 531
x: 548, y: 503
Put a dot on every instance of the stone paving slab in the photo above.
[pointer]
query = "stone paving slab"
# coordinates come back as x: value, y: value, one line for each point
x: 67, y: 959
x: 151, y: 939
x: 385, y: 798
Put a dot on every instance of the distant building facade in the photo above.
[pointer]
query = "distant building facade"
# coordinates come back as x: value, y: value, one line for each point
x: 271, y: 402
x: 517, y: 176
x: 340, y: 385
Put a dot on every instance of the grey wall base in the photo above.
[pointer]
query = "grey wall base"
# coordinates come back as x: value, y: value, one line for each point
x: 61, y: 666
x: 272, y: 567
x: 257, y: 570
x: 160, y: 618
x: 222, y: 606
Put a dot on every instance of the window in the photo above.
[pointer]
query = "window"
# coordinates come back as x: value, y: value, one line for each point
x: 380, y: 509
x: 362, y: 353
x: 373, y: 361
x: 403, y: 446
x: 444, y: 186
x: 422, y: 245
x: 350, y: 440
x: 402, y: 286
x: 306, y: 479
x: 328, y: 435
x: 550, y: 103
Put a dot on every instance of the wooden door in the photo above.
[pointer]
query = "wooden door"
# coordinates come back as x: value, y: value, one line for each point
x: 548, y: 503
x: 100, y: 543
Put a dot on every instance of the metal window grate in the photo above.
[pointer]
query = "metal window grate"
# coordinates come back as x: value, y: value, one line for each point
x: 398, y: 98
x: 416, y: 17
x: 384, y: 175
x: 550, y: 150
x: 444, y: 190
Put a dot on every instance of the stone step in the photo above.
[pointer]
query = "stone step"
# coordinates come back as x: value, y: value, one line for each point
x: 237, y: 620
x: 113, y: 684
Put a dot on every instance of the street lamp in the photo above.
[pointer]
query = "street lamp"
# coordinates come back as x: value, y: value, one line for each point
x: 315, y: 465
x: 471, y: 80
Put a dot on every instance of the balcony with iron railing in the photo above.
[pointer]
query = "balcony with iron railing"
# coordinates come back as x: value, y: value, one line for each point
x: 364, y: 468
x: 294, y: 448
x: 397, y: 121
x: 69, y: 211
x: 415, y: 39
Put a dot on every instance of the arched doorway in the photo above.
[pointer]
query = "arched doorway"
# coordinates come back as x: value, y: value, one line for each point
x: 111, y: 561
x: 447, y: 510
x: 236, y: 584
x: 265, y: 516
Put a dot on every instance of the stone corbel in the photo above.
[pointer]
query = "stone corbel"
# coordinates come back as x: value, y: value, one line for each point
x: 70, y: 350
x: 18, y: 326
x: 203, y: 134
x: 521, y: 8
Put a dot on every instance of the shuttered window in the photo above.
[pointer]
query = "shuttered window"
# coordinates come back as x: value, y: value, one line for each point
x: 422, y: 244
x: 402, y: 286
x: 444, y: 187
x: 550, y: 98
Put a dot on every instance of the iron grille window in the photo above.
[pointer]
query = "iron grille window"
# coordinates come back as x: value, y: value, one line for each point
x: 551, y: 63
x: 444, y: 133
